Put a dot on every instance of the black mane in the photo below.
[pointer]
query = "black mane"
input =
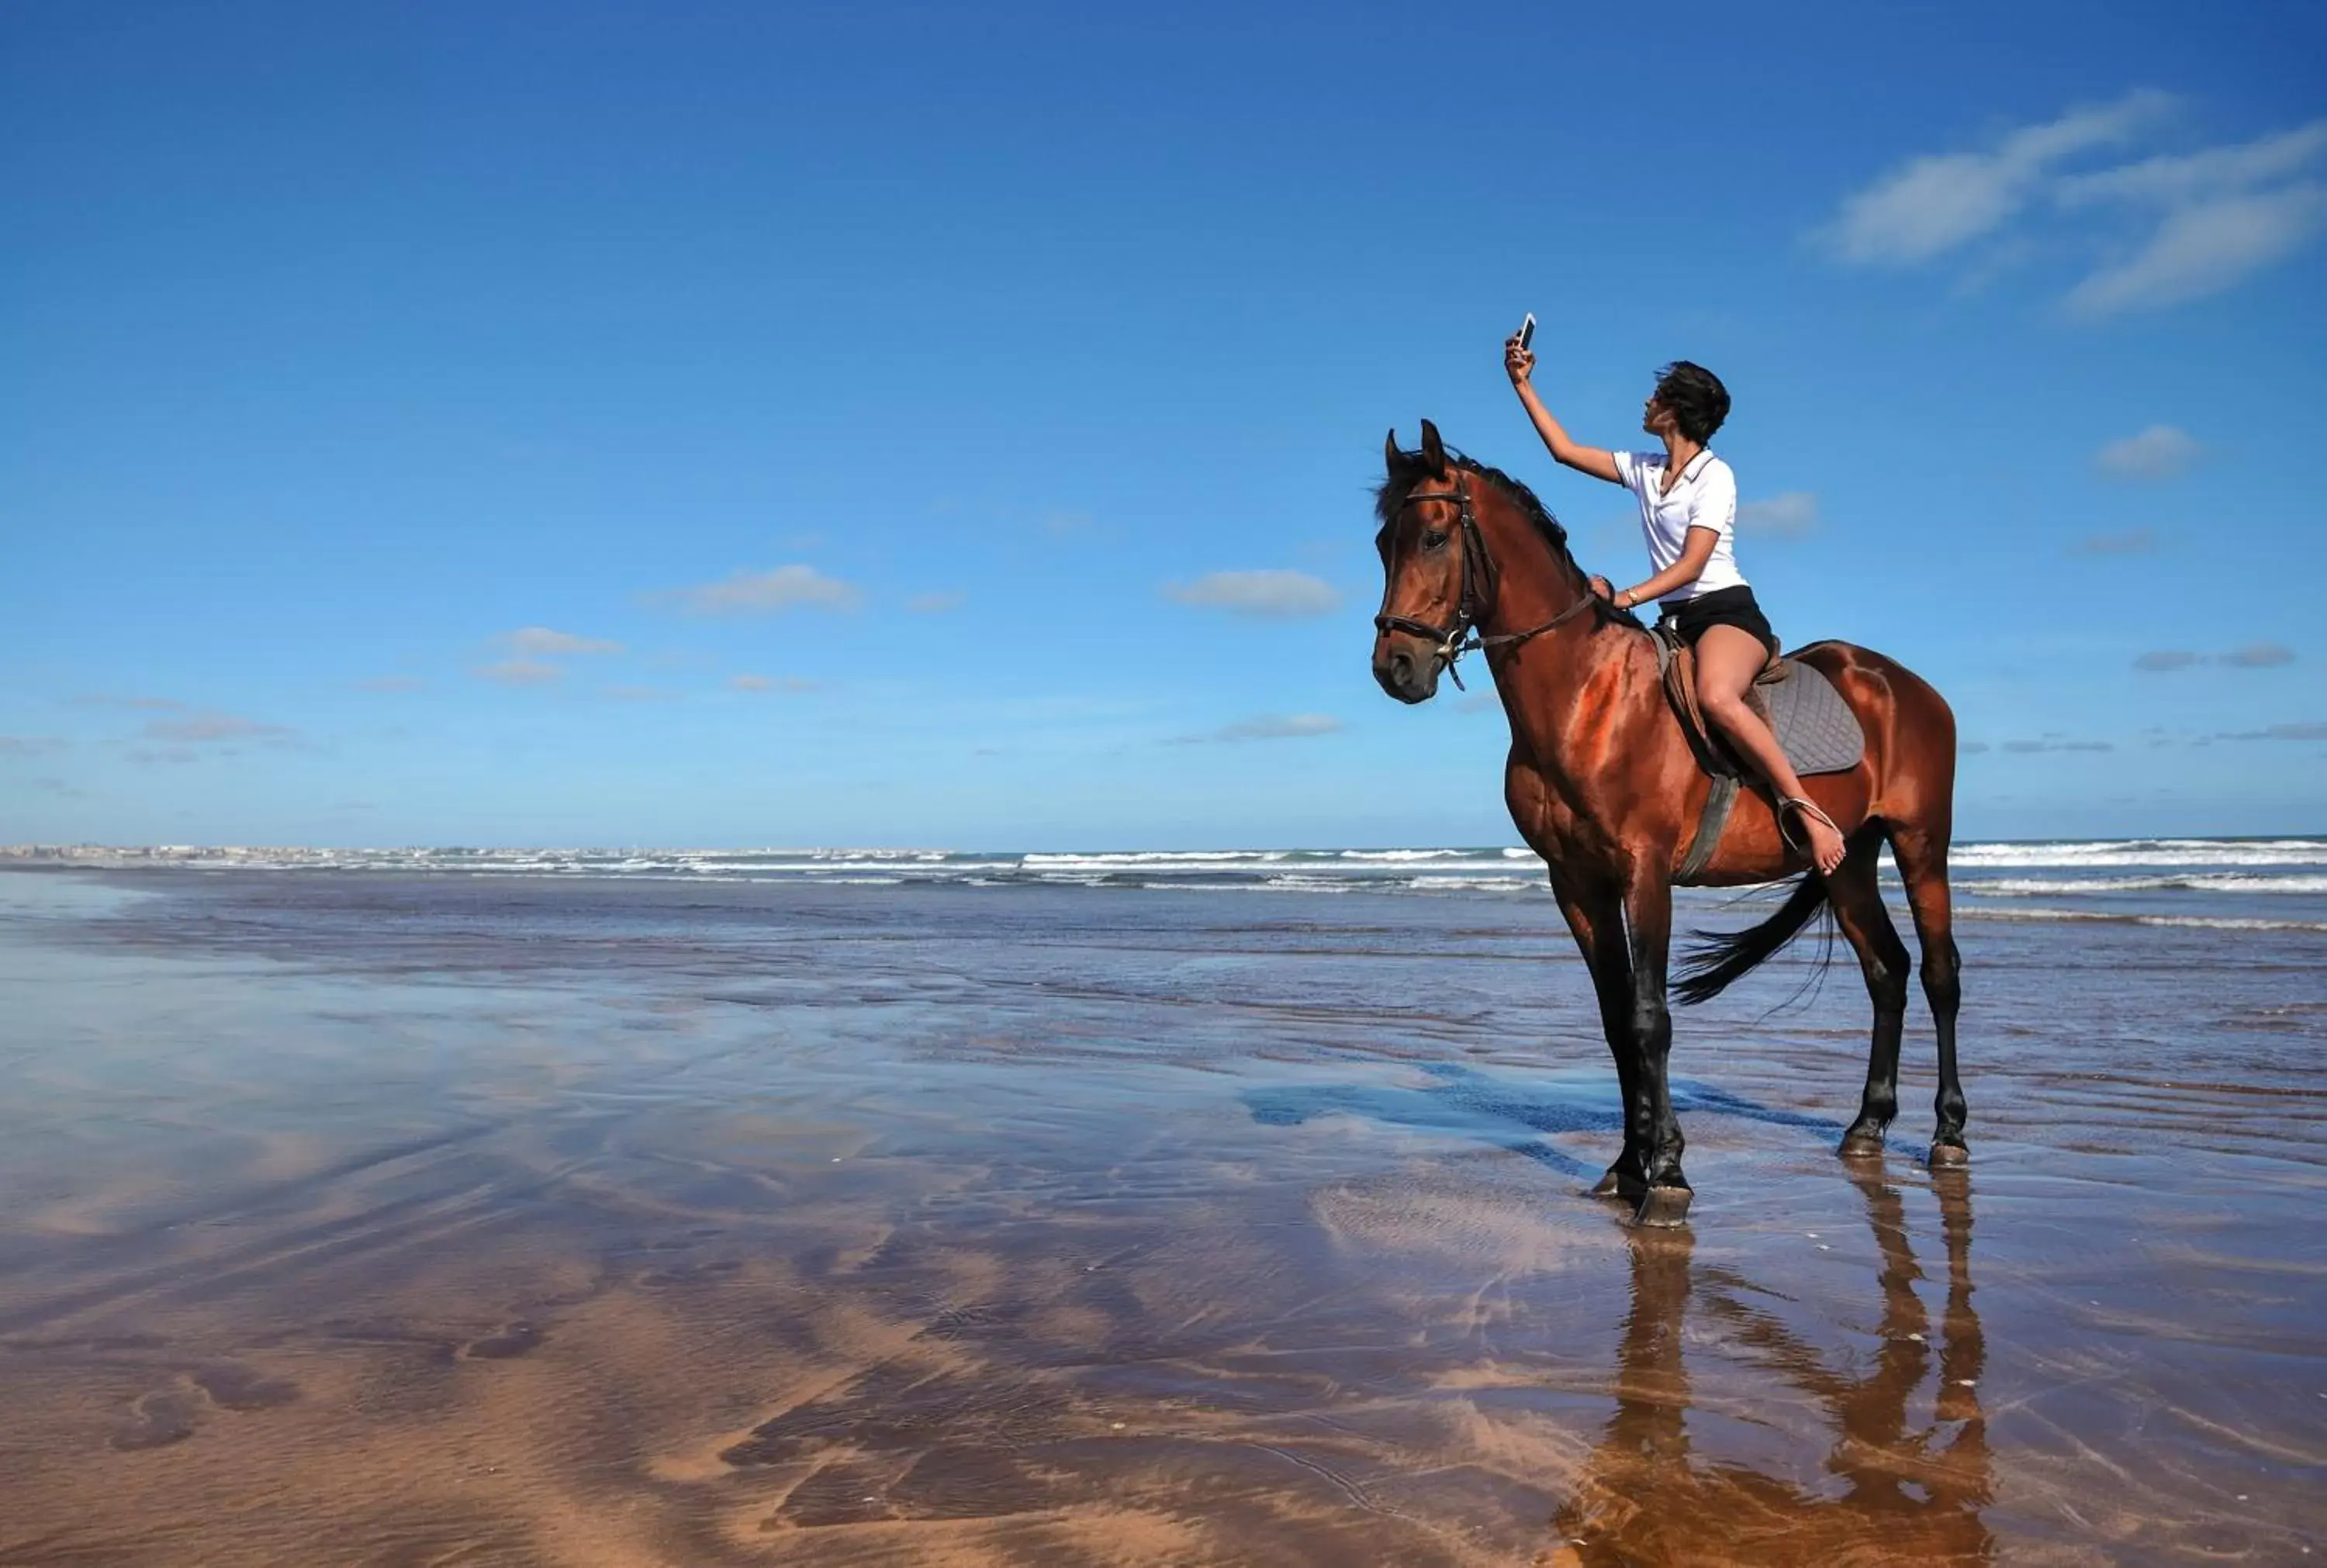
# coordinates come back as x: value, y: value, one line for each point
x: 1391, y: 496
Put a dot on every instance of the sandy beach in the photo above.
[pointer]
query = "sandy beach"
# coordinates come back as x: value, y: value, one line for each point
x: 398, y: 1219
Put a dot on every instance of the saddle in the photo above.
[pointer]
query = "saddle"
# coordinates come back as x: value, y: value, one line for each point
x: 1814, y: 726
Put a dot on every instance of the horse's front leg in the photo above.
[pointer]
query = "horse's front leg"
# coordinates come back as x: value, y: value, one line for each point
x: 1596, y: 919
x: 1647, y: 911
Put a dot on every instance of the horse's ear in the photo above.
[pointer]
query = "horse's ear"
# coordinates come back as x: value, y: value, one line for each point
x: 1433, y: 450
x: 1392, y: 458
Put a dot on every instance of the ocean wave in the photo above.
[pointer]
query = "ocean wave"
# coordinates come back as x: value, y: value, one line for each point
x: 2175, y: 876
x: 1133, y: 857
x: 2129, y: 918
x: 2142, y: 852
x: 2195, y: 882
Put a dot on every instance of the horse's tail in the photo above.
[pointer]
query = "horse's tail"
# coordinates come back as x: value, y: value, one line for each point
x: 1714, y: 961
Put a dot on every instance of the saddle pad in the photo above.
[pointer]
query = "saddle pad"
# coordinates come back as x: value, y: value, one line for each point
x: 1814, y: 724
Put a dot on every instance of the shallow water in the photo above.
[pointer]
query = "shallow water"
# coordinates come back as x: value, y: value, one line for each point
x: 428, y: 1219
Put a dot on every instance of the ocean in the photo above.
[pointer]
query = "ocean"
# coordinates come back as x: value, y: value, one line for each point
x: 2208, y: 883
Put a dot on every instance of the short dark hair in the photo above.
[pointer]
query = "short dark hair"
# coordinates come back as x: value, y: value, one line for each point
x: 1695, y: 395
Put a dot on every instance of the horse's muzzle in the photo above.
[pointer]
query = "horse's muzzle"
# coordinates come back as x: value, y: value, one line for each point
x: 1406, y: 668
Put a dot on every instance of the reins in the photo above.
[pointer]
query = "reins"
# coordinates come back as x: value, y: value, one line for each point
x: 1475, y: 602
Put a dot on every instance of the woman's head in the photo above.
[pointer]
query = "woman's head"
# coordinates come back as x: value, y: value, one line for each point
x: 1691, y: 398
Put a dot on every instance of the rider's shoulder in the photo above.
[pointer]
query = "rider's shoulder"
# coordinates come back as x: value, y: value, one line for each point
x: 1631, y: 465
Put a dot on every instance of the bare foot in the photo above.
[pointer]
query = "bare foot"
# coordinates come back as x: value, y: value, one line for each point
x: 1825, y: 844
x: 1826, y: 847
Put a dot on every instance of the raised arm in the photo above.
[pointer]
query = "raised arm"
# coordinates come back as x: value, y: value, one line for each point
x: 1521, y: 364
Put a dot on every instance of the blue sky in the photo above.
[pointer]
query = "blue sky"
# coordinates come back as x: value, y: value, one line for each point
x: 723, y: 424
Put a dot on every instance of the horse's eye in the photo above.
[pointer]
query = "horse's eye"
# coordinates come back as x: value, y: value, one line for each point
x: 1432, y: 539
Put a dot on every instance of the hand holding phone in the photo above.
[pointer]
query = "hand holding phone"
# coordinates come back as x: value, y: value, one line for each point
x: 1519, y: 360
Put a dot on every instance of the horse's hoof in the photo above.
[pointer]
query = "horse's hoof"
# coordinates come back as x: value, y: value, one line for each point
x: 1615, y: 1184
x: 1861, y: 1146
x: 1663, y: 1207
x: 1948, y: 1156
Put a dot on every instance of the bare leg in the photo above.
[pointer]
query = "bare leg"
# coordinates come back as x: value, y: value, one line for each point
x: 1727, y: 660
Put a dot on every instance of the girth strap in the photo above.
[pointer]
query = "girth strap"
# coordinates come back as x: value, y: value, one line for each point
x: 1717, y: 806
x: 1675, y: 672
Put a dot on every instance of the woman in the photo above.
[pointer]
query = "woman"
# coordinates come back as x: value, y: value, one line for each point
x: 1688, y: 514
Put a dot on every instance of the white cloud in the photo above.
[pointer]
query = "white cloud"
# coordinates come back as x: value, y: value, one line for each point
x: 935, y: 604
x: 2056, y: 743
x: 2159, y: 451
x: 518, y: 672
x: 1277, y: 593
x: 1785, y: 516
x: 2204, y: 220
x: 766, y: 592
x: 1275, y: 727
x: 773, y: 683
x: 642, y: 694
x: 29, y: 745
x: 2195, y: 176
x: 1933, y: 204
x: 391, y: 683
x: 540, y: 642
x: 214, y: 726
x: 2253, y: 656
x: 2204, y: 247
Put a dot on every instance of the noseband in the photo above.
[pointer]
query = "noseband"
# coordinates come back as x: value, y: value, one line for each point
x: 1482, y: 584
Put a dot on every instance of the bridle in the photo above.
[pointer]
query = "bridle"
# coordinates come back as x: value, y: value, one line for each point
x: 1482, y: 583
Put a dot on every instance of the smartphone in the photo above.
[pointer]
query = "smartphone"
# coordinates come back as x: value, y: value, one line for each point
x: 1526, y: 331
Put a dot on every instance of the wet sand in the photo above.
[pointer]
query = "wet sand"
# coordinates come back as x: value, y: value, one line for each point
x: 430, y: 1221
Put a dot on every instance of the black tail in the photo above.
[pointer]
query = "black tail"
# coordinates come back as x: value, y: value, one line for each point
x: 1714, y: 961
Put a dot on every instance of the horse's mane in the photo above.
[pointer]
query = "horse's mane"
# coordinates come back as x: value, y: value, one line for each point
x: 1391, y: 495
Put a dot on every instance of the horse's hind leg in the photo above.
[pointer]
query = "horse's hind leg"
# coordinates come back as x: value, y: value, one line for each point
x: 1922, y: 856
x: 1856, y: 897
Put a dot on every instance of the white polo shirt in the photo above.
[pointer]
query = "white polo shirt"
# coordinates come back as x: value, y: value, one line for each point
x: 1703, y: 497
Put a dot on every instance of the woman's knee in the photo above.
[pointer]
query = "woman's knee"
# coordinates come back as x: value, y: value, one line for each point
x: 1718, y: 701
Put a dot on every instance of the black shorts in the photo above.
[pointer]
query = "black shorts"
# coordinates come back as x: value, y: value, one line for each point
x: 1722, y: 607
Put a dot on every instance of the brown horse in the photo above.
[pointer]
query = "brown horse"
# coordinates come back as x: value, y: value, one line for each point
x: 1601, y: 783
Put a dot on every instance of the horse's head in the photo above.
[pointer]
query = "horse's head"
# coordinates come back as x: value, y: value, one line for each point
x: 1436, y: 577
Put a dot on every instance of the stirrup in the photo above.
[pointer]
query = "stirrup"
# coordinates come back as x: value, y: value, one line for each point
x: 1809, y: 808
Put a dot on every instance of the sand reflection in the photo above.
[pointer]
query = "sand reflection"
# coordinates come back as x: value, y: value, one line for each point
x: 1906, y: 1490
